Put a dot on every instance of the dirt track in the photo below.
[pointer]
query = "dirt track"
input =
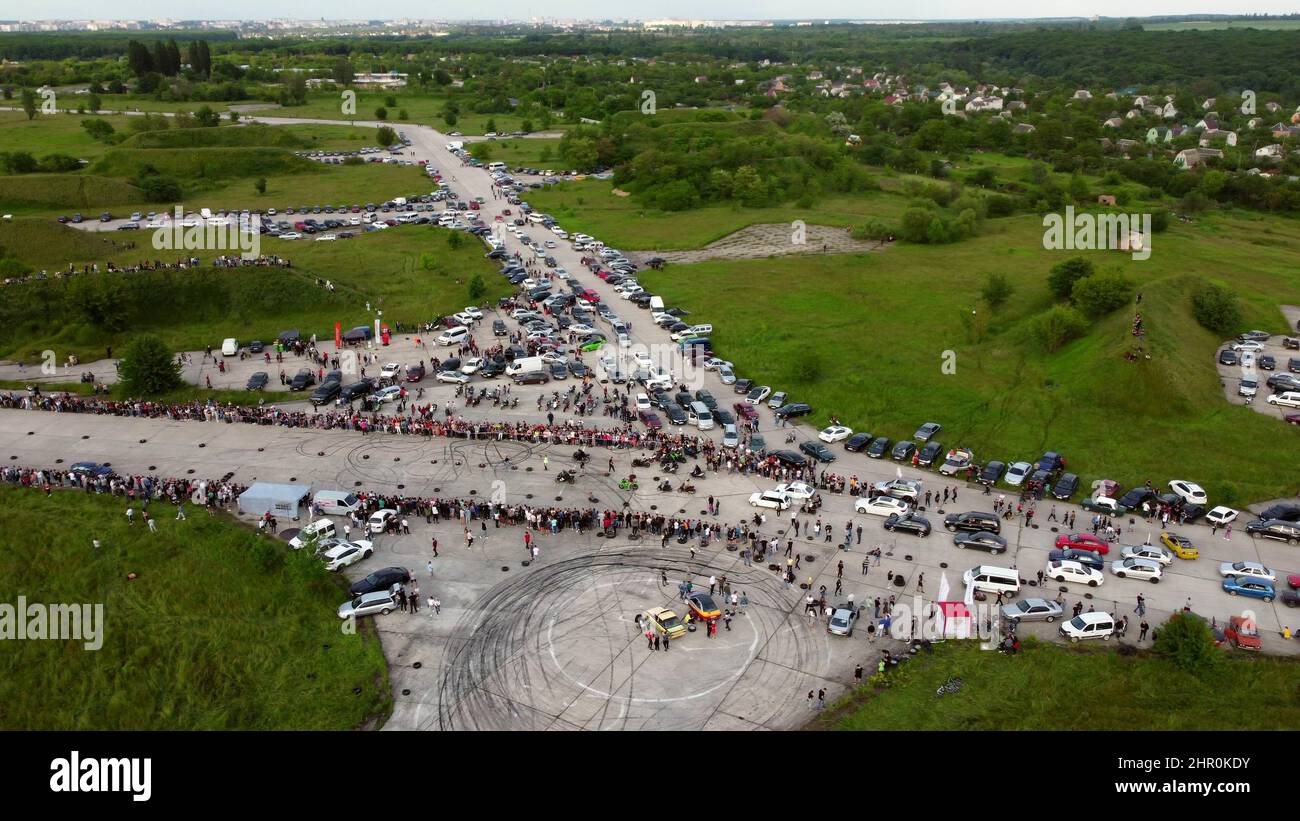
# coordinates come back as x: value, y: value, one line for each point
x: 768, y: 240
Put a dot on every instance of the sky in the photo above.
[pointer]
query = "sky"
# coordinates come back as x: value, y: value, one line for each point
x: 599, y: 9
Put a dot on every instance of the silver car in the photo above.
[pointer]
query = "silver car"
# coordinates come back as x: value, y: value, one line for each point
x: 727, y: 375
x: 777, y: 400
x: 842, y: 621
x: 367, y: 604
x: 1032, y: 610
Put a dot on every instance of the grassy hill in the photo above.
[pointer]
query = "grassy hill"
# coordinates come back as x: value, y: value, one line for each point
x: 67, y: 192
x: 220, y: 629
x: 243, y: 137
x: 43, y: 243
x: 203, y: 164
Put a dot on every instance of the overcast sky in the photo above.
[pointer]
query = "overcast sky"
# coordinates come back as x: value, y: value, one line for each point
x: 596, y: 9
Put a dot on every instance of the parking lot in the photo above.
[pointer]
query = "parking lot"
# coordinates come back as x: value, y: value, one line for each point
x: 554, y: 644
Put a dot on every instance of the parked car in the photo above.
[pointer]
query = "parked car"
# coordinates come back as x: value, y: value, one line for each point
x: 818, y: 451
x: 973, y: 520
x: 1032, y: 610
x: 908, y: 523
x: 842, y: 621
x: 382, y: 579
x: 927, y: 431
x: 1141, y: 569
x: 1067, y: 571
x: 1247, y: 586
x: 980, y: 540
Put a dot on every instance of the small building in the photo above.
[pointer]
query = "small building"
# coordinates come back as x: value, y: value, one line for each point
x: 277, y: 499
x: 1106, y: 199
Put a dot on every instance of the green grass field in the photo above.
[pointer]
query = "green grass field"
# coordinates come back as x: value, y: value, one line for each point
x: 55, y: 134
x: 220, y: 629
x: 865, y: 336
x: 1049, y: 687
x: 385, y: 268
x: 523, y: 151
x: 422, y: 108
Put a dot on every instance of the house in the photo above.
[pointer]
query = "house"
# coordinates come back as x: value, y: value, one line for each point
x: 1208, y: 123
x: 1133, y: 114
x: 1141, y: 101
x: 1193, y: 157
x: 1106, y: 199
x: 1023, y: 128
x: 701, y: 79
x: 815, y: 75
x: 1016, y: 105
x: 1169, y: 111
x: 1083, y: 94
x: 1208, y: 104
x: 1125, y: 146
x: 1105, y: 143
x: 984, y: 104
x: 1159, y: 134
x: 1270, y: 152
x: 1113, y: 122
x: 1272, y: 107
x: 1254, y: 122
x: 1281, y: 130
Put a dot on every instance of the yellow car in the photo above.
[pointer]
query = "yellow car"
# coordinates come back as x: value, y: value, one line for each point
x: 1181, y: 546
x: 665, y: 622
x: 701, y: 606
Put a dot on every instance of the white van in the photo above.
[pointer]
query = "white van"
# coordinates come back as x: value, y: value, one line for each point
x: 1089, y: 626
x: 995, y: 580
x: 496, y: 166
x: 656, y: 303
x: 454, y: 336
x: 336, y: 502
x: 1290, y: 399
x: 701, y: 330
x: 536, y: 218
x: 525, y: 364
x: 317, y: 531
x: 698, y: 415
x: 230, y: 347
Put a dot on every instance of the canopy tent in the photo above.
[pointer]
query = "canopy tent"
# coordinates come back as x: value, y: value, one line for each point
x: 279, y: 500
x: 289, y: 336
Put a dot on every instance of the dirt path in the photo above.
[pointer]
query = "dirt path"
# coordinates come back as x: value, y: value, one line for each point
x: 768, y: 240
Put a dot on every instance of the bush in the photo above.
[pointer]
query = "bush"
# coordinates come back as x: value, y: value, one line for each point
x: 1186, y: 640
x: 1215, y: 307
x: 871, y: 230
x: 1061, y: 279
x: 1099, y: 294
x: 148, y: 367
x: 477, y: 288
x: 1057, y: 326
x: 997, y: 290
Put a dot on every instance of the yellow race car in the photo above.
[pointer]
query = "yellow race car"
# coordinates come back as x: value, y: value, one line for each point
x: 665, y: 622
x: 1181, y: 546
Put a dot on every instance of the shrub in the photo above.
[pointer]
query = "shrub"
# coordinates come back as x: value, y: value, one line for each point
x: 1215, y: 307
x: 148, y: 367
x: 996, y: 291
x: 1099, y: 294
x: 1063, y: 275
x: 1186, y: 640
x: 1057, y: 326
x: 871, y: 230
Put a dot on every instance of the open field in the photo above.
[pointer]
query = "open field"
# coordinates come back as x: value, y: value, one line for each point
x: 864, y: 337
x: 518, y: 151
x: 383, y: 268
x: 420, y: 107
x: 220, y: 629
x: 55, y: 134
x: 1221, y: 25
x: 1038, y: 689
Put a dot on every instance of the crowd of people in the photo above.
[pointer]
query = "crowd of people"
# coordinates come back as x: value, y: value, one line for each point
x: 181, y: 264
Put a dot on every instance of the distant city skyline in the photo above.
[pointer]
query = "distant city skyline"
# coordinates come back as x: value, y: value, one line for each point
x: 595, y: 10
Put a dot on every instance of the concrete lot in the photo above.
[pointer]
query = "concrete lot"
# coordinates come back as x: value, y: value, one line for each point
x: 554, y: 644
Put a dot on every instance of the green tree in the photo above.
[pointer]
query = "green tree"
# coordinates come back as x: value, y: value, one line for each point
x: 1215, y: 308
x: 477, y: 288
x: 403, y: 115
x: 93, y: 103
x: 1101, y: 293
x: 996, y: 291
x: 100, y: 130
x: 29, y: 103
x: 491, y: 126
x: 260, y: 185
x: 1187, y: 641
x: 381, y: 113
x: 1057, y: 326
x: 390, y: 101
x: 207, y: 118
x: 343, y: 73
x: 148, y: 368
x: 386, y: 135
x: 1061, y: 279
x: 455, y: 240
x: 449, y: 117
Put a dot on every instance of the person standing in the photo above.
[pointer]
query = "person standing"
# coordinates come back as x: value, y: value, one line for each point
x: 665, y: 643
x: 857, y: 674
x: 433, y: 608
x: 821, y: 699
x: 1142, y: 630
x: 433, y: 542
x: 429, y: 564
x: 1141, y: 608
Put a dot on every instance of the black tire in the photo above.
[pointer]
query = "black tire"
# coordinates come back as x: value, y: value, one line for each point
x: 1268, y: 599
x: 1155, y: 580
x: 1232, y: 592
x: 1121, y: 574
x: 385, y: 611
x: 1092, y: 583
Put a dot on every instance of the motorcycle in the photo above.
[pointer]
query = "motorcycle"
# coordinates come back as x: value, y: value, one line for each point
x: 685, y: 487
x: 627, y: 484
x: 665, y: 486
x: 565, y: 476
x: 641, y: 463
x: 697, y: 473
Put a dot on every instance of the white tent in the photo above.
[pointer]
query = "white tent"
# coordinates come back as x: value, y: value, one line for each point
x: 279, y: 500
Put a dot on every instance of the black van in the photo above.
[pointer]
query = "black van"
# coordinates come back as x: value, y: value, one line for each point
x: 327, y: 391
x: 531, y: 378
x: 357, y: 390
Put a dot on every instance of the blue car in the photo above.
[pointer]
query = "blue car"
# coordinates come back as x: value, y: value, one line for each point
x: 92, y: 469
x: 1245, y: 586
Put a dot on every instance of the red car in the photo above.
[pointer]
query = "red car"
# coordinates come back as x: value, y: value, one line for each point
x: 1293, y: 418
x: 745, y: 410
x: 650, y: 419
x: 1294, y: 581
x: 1082, y: 541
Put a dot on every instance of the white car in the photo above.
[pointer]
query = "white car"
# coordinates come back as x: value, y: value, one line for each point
x: 730, y: 438
x: 553, y: 358
x: 881, y: 506
x: 290, y: 235
x: 1017, y: 473
x: 471, y: 366
x: 390, y: 393
x: 758, y: 394
x: 642, y: 360
x: 1251, y: 570
x: 770, y: 498
x: 454, y: 377
x: 377, y: 520
x: 1141, y: 569
x: 1250, y: 345
x: 390, y: 370
x: 346, y: 553
x: 326, y: 238
x: 1290, y: 399
x: 796, y: 490
x: 474, y: 312
x: 624, y: 340
x: 713, y: 364
x: 642, y: 402
x: 835, y: 433
x: 464, y: 319
x: 1072, y: 571
x: 1189, y: 492
x: 1150, y: 552
x: 900, y: 488
x: 1221, y: 515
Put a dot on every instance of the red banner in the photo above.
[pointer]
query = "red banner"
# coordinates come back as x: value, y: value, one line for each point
x: 338, y: 335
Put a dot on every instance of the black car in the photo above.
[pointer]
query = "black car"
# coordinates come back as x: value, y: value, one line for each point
x: 707, y: 399
x: 981, y: 540
x: 1283, y: 511
x: 1084, y: 557
x: 1066, y: 486
x: 743, y: 385
x: 879, y: 447
x: 1039, y: 478
x: 558, y: 371
x: 1279, y: 529
x: 1267, y: 362
x: 1133, y: 499
x: 499, y: 328
x: 793, y: 409
x: 1051, y: 461
x: 992, y: 472
x: 1227, y: 356
x: 326, y: 392
x: 857, y: 442
x: 818, y: 451
x: 255, y: 346
x: 675, y: 413
x: 257, y: 381
x: 381, y: 579
x: 927, y: 431
x: 1280, y: 382
x: 908, y: 523
x: 789, y: 457
x: 973, y: 520
x: 902, y: 451
x: 302, y: 380
x: 926, y: 456
x: 684, y: 398
x: 1293, y: 365
x: 723, y: 417
x: 357, y: 390
x: 757, y: 443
